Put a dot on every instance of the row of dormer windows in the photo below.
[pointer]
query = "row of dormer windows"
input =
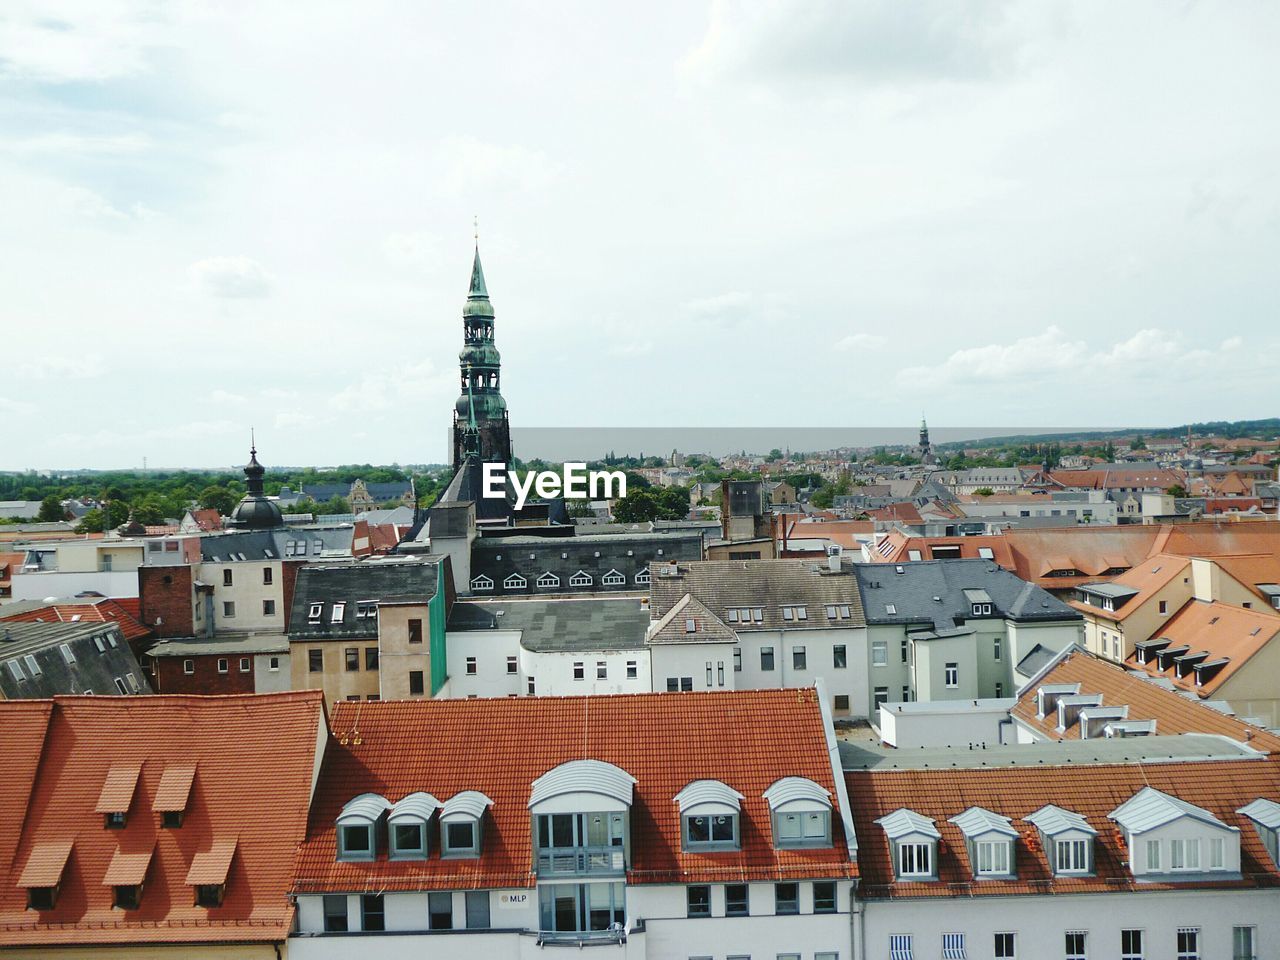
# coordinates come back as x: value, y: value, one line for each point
x: 551, y: 581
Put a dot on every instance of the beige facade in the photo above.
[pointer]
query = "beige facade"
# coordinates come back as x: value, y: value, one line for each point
x: 247, y: 595
x: 1252, y: 691
x: 1113, y: 638
x: 404, y: 639
x: 369, y: 668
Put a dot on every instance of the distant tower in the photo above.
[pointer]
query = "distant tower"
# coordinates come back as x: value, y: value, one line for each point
x: 926, y: 450
x: 255, y: 511
x: 480, y: 407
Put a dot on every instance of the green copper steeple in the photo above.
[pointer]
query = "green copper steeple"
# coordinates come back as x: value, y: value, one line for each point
x: 480, y: 414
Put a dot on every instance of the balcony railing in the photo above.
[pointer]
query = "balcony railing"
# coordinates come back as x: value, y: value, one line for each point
x: 580, y: 861
x: 580, y: 938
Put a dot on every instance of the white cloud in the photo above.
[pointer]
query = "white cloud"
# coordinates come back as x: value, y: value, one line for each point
x: 416, y: 249
x: 84, y: 367
x: 231, y: 277
x: 734, y: 303
x: 16, y: 407
x: 860, y: 341
x: 470, y: 167
x: 64, y: 143
x: 1025, y: 358
x: 61, y: 41
x: 410, y: 383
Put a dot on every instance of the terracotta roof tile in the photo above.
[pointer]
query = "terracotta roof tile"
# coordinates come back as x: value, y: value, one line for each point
x: 123, y: 612
x: 117, y: 789
x: 663, y: 740
x: 174, y: 788
x: 1221, y: 787
x: 256, y: 757
x: 212, y: 866
x: 45, y: 864
x: 128, y: 868
x: 1173, y: 713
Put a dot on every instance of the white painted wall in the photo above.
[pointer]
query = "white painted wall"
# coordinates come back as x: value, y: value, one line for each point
x: 1041, y: 922
x: 266, y: 680
x: 954, y: 723
x: 38, y: 586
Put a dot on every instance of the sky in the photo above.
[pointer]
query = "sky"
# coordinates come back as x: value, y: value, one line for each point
x: 824, y: 213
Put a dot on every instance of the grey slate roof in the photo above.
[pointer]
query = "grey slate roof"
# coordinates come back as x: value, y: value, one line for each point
x: 690, y: 611
x: 355, y: 585
x: 564, y: 557
x: 563, y: 625
x: 248, y: 643
x: 92, y: 669
x: 766, y: 585
x: 931, y: 592
x: 275, y: 544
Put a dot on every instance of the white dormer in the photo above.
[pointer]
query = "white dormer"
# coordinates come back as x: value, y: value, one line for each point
x: 710, y: 816
x: 1070, y: 705
x: 913, y: 843
x: 801, y: 813
x: 989, y: 838
x: 461, y: 819
x: 358, y: 827
x: 1265, y: 815
x: 407, y: 823
x: 1170, y: 839
x: 581, y: 785
x: 580, y: 815
x: 1067, y: 839
x: 1047, y: 697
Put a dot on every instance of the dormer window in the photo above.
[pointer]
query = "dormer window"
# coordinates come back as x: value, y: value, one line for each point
x: 117, y: 795
x: 913, y: 842
x: 172, y: 794
x: 1167, y: 836
x: 989, y: 838
x: 126, y: 875
x: 710, y: 812
x: 460, y: 820
x: 208, y: 873
x: 338, y: 610
x: 407, y: 824
x: 1066, y: 838
x: 314, y: 611
x: 1265, y: 815
x: 801, y: 813
x: 481, y: 584
x: 42, y: 876
x: 795, y: 613
x: 358, y: 827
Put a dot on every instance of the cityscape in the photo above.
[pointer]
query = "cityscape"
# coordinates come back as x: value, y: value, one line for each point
x: 700, y: 686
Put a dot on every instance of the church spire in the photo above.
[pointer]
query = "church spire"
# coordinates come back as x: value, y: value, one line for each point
x: 478, y: 290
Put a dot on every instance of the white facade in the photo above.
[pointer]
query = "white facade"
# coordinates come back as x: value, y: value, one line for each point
x: 947, y: 723
x: 494, y: 663
x: 58, y: 584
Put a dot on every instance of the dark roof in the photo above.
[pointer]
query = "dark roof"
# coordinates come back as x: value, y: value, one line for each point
x: 391, y: 490
x: 532, y: 557
x: 1037, y: 658
x: 320, y: 492
x: 548, y: 625
x: 92, y: 669
x: 933, y: 592
x: 767, y: 585
x: 404, y: 581
x: 690, y: 612
x: 275, y: 544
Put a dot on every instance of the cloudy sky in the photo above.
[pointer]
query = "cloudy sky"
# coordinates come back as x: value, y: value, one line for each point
x: 741, y: 214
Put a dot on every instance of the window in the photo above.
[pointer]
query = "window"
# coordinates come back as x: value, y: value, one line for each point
x: 273, y: 664
x: 766, y: 659
x: 632, y: 669
x: 995, y: 649
x: 602, y: 670
x: 981, y: 609
x: 223, y: 665
x: 1184, y: 854
x: 720, y: 673
x: 127, y: 897
x: 531, y: 686
x: 1076, y: 946
x: 673, y: 684
x: 953, y: 946
x: 1006, y: 947
x: 373, y: 912
x: 352, y: 656
x: 903, y: 650
x: 613, y: 579
x: 1242, y: 943
x: 228, y: 608
x: 415, y: 631
x: 371, y: 658
x: 915, y: 860
x: 266, y: 576
x: 547, y: 581
x: 799, y: 661
x: 786, y: 898
x: 120, y: 685
x: 1217, y: 853
x: 708, y: 673
x: 699, y: 901
x: 67, y: 655
x: 460, y: 839
x: 1072, y: 856
x: 335, y: 615
x: 580, y: 579
x: 993, y: 857
x: 407, y: 841
x: 335, y: 913
x: 355, y: 842
x: 824, y: 896
x: 314, y: 611
x: 471, y: 666
x: 879, y: 653
x: 101, y: 644
x: 477, y: 903
x: 841, y: 703
x: 1131, y: 945
x: 115, y: 821
x: 1188, y: 943
x: 481, y: 583
x: 315, y: 661
x: 712, y: 830
x: 268, y: 608
x: 691, y: 625
x: 686, y: 684
x: 415, y: 683
x: 737, y: 659
x: 33, y: 665
x: 952, y: 675
x: 999, y: 689
x: 839, y: 657
x: 900, y: 946
x: 736, y: 903
x: 1153, y: 854
x: 1164, y: 606
x: 245, y: 666
x: 512, y: 665
x: 579, y: 670
x: 226, y: 577
x: 188, y: 667
x: 440, y: 911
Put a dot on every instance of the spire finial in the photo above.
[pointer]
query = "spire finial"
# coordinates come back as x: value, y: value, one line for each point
x: 253, y: 443
x: 475, y: 222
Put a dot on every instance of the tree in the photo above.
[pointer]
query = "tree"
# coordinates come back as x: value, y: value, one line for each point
x: 984, y: 492
x: 1137, y: 443
x: 1177, y: 490
x: 218, y: 498
x: 638, y: 506
x: 51, y: 509
x: 95, y: 521
x: 773, y: 456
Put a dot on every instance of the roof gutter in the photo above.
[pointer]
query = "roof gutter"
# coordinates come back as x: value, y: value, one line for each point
x: 837, y: 769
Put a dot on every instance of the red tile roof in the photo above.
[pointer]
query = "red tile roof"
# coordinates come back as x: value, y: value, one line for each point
x: 663, y: 740
x: 1221, y: 787
x: 1221, y: 630
x: 1148, y: 578
x: 127, y: 613
x: 1173, y: 713
x: 255, y: 757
